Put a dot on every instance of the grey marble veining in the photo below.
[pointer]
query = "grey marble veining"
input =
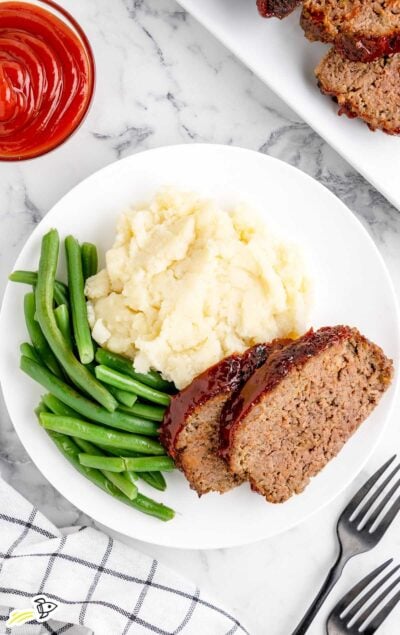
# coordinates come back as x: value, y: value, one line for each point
x: 162, y: 79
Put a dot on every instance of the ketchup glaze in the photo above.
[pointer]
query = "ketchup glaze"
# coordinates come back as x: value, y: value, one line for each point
x: 224, y: 377
x: 46, y: 78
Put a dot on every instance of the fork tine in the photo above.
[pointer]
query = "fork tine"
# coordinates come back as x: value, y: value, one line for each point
x: 382, y: 615
x: 387, y: 519
x: 349, y: 615
x: 377, y: 512
x: 374, y: 605
x: 365, y: 509
x: 363, y: 491
x: 358, y: 588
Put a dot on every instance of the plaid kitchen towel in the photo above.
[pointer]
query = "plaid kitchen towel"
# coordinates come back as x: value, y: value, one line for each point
x: 90, y: 583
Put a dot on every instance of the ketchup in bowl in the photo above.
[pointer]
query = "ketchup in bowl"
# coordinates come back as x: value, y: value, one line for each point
x: 46, y: 78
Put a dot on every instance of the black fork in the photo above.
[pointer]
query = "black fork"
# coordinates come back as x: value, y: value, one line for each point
x: 352, y: 612
x: 358, y: 531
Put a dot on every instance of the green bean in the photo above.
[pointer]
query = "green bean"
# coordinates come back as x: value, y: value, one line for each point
x: 118, y: 451
x: 80, y: 322
x: 124, y: 398
x: 88, y: 409
x: 110, y: 463
x: 125, y: 366
x: 40, y: 408
x: 154, y: 413
x: 30, y: 277
x: 123, y: 464
x: 44, y: 309
x: 149, y: 506
x: 45, y: 315
x: 38, y: 339
x: 117, y: 379
x: 57, y: 407
x: 64, y: 323
x: 149, y: 464
x: 89, y: 260
x: 91, y: 368
x: 70, y: 450
x: 28, y: 350
x: 154, y: 479
x: 122, y: 481
x: 99, y: 435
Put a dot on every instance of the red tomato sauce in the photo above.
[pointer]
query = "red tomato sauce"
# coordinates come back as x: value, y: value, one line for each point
x: 46, y: 79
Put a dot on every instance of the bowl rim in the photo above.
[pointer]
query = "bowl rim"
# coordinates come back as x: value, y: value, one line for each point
x: 78, y: 30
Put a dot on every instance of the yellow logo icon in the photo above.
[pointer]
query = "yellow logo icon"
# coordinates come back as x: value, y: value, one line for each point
x: 42, y: 607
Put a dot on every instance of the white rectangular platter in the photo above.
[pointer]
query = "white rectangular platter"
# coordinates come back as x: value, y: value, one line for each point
x: 279, y: 54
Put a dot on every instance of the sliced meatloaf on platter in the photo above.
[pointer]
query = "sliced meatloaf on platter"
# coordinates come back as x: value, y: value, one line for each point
x: 368, y: 91
x: 296, y: 411
x: 362, y: 30
x: 277, y: 8
x: 190, y: 430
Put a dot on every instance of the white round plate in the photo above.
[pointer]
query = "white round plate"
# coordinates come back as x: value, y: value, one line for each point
x: 352, y: 286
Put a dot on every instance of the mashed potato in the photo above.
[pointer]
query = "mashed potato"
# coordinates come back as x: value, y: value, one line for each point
x: 187, y: 283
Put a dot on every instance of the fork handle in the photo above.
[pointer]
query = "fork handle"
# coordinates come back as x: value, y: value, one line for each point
x: 333, y: 576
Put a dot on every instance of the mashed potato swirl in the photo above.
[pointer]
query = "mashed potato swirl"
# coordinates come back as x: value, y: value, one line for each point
x: 187, y: 283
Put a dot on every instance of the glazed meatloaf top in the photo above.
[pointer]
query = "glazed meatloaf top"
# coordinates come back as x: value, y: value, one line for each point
x: 368, y: 91
x: 297, y: 411
x: 190, y: 430
x: 278, y: 364
x: 277, y: 8
x: 362, y: 30
x: 224, y: 377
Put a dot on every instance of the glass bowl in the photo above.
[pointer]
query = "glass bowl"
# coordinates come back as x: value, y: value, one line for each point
x: 63, y: 15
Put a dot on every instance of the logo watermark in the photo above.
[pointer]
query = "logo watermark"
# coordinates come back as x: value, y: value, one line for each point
x: 42, y: 607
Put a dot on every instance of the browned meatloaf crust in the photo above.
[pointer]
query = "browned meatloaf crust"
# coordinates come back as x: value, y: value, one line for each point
x: 362, y: 30
x: 297, y: 411
x: 368, y: 91
x: 277, y: 8
x: 190, y: 430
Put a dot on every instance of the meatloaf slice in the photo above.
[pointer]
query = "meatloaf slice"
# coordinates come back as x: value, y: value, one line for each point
x: 362, y: 30
x: 277, y: 8
x: 297, y: 411
x: 368, y: 91
x: 190, y: 430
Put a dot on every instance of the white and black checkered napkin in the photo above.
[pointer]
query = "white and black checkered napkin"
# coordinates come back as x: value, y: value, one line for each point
x: 100, y: 585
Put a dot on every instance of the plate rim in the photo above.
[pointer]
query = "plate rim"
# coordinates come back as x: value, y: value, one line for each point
x: 205, y: 544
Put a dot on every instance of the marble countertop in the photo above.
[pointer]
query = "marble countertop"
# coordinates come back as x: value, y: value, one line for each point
x: 162, y: 79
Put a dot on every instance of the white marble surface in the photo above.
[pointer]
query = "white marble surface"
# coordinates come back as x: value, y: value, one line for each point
x: 162, y: 79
